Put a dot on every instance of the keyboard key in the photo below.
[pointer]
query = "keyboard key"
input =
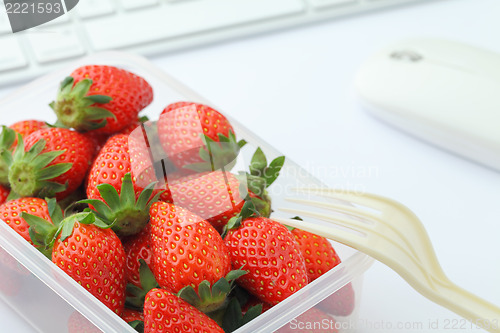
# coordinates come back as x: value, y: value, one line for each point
x: 11, y: 56
x: 173, y: 20
x: 331, y: 3
x: 134, y: 4
x: 60, y: 20
x: 93, y: 8
x: 52, y: 46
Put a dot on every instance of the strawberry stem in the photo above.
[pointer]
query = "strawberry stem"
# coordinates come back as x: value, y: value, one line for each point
x: 137, y: 295
x: 7, y: 139
x: 212, y: 300
x: 76, y: 110
x: 44, y: 233
x: 219, y: 154
x: 128, y: 215
x: 30, y: 174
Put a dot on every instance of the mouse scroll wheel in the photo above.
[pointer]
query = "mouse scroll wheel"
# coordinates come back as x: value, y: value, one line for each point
x: 406, y: 55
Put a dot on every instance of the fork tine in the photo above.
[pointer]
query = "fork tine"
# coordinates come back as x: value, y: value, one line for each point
x: 352, y: 224
x: 342, y: 236
x: 362, y: 199
x: 391, y: 235
x: 352, y: 240
x: 339, y: 208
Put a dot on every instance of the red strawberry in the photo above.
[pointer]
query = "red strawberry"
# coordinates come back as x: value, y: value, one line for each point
x: 318, y: 252
x: 217, y: 196
x: 55, y: 162
x: 164, y: 312
x: 114, y: 161
x: 267, y: 250
x: 11, y: 211
x: 4, y: 193
x: 136, y: 248
x: 187, y: 249
x: 102, y: 98
x: 92, y: 256
x: 185, y: 127
x: 77, y: 323
x: 132, y: 315
x: 98, y: 140
x: 101, y: 265
x: 320, y: 257
x: 214, y: 196
x: 133, y: 126
x: 26, y: 127
x: 341, y: 303
x: 312, y: 321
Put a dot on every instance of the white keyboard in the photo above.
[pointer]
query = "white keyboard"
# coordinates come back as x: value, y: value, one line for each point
x: 155, y: 26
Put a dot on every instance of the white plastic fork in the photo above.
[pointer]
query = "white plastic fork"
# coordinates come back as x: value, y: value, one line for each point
x: 392, y: 234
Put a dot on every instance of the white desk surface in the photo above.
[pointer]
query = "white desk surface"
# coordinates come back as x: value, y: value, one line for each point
x: 294, y: 89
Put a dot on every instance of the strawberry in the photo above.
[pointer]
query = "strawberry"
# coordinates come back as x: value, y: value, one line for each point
x: 197, y: 137
x: 98, y: 140
x: 4, y: 193
x: 11, y: 212
x: 101, y: 265
x: 133, y: 126
x: 87, y: 251
x: 120, y: 155
x: 312, y: 321
x: 187, y: 249
x: 55, y: 162
x: 132, y: 315
x: 218, y: 196
x: 318, y: 252
x: 102, y: 98
x: 134, y: 318
x: 77, y: 323
x: 214, y: 196
x: 7, y: 140
x: 320, y: 257
x: 267, y: 250
x: 26, y: 127
x: 136, y: 248
x: 341, y: 303
x: 165, y: 312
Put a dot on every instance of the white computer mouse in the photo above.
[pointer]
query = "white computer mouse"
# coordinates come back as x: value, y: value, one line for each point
x: 444, y: 92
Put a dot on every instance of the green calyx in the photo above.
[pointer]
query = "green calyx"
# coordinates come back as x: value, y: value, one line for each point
x: 76, y: 110
x: 29, y: 172
x: 217, y: 155
x: 261, y: 176
x: 234, y: 318
x: 7, y: 139
x: 137, y: 295
x: 298, y: 218
x: 43, y: 233
x: 137, y: 325
x: 248, y: 210
x: 128, y: 215
x: 212, y: 299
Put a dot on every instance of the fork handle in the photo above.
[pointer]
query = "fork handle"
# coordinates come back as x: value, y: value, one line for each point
x: 473, y: 308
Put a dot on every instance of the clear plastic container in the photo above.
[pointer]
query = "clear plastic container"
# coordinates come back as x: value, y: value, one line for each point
x: 38, y: 290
